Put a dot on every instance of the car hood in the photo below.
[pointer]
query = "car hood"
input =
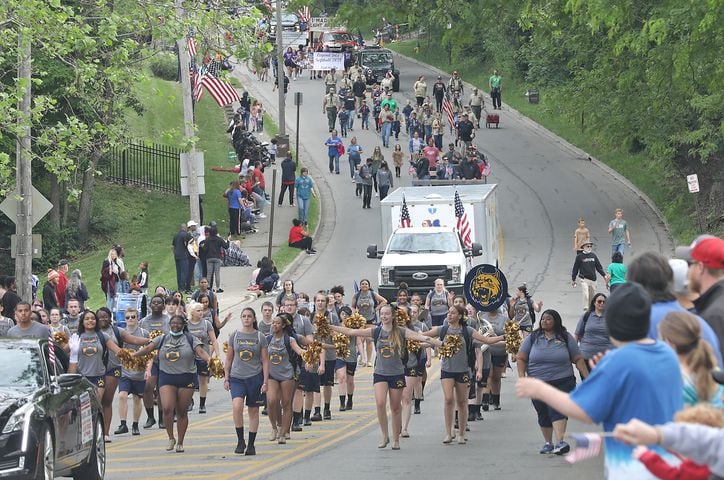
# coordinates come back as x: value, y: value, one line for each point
x: 11, y: 399
x: 420, y: 259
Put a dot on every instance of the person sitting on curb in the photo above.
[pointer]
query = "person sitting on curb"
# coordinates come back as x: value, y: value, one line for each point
x: 299, y: 237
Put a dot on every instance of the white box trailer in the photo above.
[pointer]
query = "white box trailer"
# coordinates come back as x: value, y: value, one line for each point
x: 433, y: 207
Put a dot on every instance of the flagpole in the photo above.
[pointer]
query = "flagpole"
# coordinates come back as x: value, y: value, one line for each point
x: 189, y: 126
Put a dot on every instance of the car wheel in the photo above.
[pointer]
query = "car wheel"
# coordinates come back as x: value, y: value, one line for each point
x: 95, y: 468
x: 45, y: 470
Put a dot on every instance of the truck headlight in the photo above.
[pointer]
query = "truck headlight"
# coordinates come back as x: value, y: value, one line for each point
x: 455, y: 269
x: 20, y: 421
x: 385, y: 274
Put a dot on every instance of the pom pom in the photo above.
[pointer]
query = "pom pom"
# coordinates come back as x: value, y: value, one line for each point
x: 311, y: 353
x: 450, y: 346
x: 341, y: 344
x: 131, y: 362
x: 216, y: 368
x: 402, y: 317
x: 323, y: 330
x: 225, y: 347
x: 155, y: 333
x: 413, y: 346
x: 60, y: 337
x: 513, y: 338
x: 355, y: 321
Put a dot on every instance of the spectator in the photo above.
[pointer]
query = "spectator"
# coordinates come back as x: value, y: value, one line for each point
x: 179, y: 246
x: 212, y: 246
x: 625, y: 384
x: 10, y: 298
x: 299, y: 237
x: 233, y: 196
x: 591, y: 331
x: 580, y: 235
x: 305, y: 191
x: 620, y: 233
x: 62, y: 283
x: 267, y: 276
x: 584, y: 269
x: 683, y: 294
x: 76, y: 289
x: 288, y: 176
x: 49, y: 290
x: 616, y: 272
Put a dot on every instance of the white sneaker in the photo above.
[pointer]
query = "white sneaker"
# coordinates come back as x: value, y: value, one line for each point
x: 261, y: 215
x: 377, y: 194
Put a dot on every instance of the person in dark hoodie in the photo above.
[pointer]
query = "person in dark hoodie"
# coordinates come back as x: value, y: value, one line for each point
x: 584, y: 270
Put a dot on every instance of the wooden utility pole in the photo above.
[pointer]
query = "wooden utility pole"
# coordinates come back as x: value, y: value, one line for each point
x: 280, y: 70
x: 23, y: 159
x: 189, y: 126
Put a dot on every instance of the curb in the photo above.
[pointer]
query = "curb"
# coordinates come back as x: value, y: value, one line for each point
x: 576, y: 151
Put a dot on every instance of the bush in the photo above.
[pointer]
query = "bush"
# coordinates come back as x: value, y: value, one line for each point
x: 165, y: 66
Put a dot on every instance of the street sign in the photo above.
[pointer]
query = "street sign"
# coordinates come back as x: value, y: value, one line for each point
x: 41, y: 206
x: 693, y: 183
x: 297, y: 98
x: 316, y: 22
x: 37, y: 246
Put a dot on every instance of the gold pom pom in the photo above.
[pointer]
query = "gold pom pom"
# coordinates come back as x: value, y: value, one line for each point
x: 413, y: 346
x: 155, y: 333
x: 513, y: 338
x: 216, y: 368
x: 225, y: 347
x: 323, y: 330
x: 341, y: 344
x: 125, y: 356
x: 450, y: 346
x: 60, y: 337
x: 311, y: 353
x: 402, y: 317
x: 355, y: 321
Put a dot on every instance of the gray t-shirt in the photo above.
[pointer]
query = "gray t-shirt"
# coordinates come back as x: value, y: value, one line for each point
x: 413, y: 358
x: 136, y: 375
x: 352, y: 357
x: 280, y: 367
x: 521, y: 313
x: 388, y: 361
x: 303, y: 326
x: 498, y: 323
x: 5, y: 325
x: 90, y: 355
x: 247, y: 354
x: 151, y: 323
x: 549, y: 359
x: 422, y: 327
x: 113, y: 361
x: 595, y: 335
x: 438, y: 303
x: 618, y: 234
x: 330, y: 354
x: 71, y: 323
x: 264, y: 328
x: 458, y: 363
x: 60, y: 328
x: 175, y: 354
x: 366, y: 305
x: 202, y: 330
x: 35, y: 330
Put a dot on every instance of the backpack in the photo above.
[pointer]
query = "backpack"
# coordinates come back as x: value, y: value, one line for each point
x: 468, y: 343
x: 102, y: 341
x: 188, y: 336
x: 531, y: 311
x: 293, y: 356
x: 376, y: 336
x: 586, y: 316
x: 117, y: 334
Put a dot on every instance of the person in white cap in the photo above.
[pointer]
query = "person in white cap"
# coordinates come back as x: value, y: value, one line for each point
x: 706, y: 277
x: 193, y: 248
x: 584, y: 270
x: 683, y: 294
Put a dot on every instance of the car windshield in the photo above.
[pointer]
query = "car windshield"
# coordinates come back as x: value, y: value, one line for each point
x: 20, y: 366
x: 341, y: 37
x: 377, y: 59
x: 442, y: 242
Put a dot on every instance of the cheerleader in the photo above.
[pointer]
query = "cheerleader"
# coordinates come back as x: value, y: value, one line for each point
x: 345, y: 368
x: 204, y: 331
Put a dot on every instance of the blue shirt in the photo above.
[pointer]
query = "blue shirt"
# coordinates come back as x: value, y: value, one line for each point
x: 635, y: 381
x: 552, y: 359
x: 234, y: 196
x: 331, y: 144
x: 303, y: 185
x: 659, y: 310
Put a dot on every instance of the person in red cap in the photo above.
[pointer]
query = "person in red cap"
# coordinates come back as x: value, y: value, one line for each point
x: 62, y: 284
x: 706, y: 277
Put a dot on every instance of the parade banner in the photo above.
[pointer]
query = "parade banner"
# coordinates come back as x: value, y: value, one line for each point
x: 486, y: 288
x: 327, y: 61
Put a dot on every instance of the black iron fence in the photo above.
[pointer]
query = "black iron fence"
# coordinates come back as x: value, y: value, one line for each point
x: 150, y: 166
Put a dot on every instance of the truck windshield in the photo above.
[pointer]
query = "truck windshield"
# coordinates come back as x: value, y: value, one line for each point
x: 377, y: 59
x: 424, y: 242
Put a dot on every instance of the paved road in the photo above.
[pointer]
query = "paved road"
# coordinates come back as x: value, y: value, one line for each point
x: 545, y: 185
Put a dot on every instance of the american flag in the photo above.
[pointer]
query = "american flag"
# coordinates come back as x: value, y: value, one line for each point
x: 463, y: 225
x: 448, y: 108
x: 304, y: 14
x: 196, y: 90
x: 191, y: 46
x: 405, y: 215
x: 588, y: 445
x: 51, y: 349
x: 222, y: 92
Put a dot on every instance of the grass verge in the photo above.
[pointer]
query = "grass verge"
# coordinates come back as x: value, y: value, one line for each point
x: 666, y: 191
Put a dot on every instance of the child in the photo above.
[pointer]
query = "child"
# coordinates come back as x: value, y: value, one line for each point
x: 273, y: 150
x: 376, y: 110
x: 358, y: 182
x: 397, y: 159
x: 123, y: 286
x: 260, y: 118
x: 134, y: 283
x: 580, y: 235
x: 703, y: 414
x: 343, y: 121
x: 143, y: 277
x: 364, y: 112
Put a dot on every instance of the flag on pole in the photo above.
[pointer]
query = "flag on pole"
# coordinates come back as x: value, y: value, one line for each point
x: 196, y: 90
x: 448, y: 108
x: 304, y: 14
x: 405, y: 221
x: 463, y: 225
x: 51, y: 349
x: 222, y: 92
x: 588, y: 445
x: 191, y: 46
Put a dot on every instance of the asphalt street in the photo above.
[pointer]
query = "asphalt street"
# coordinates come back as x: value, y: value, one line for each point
x: 545, y: 185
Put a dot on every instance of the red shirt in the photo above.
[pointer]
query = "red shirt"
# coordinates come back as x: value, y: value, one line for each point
x: 688, y: 470
x: 258, y: 176
x: 296, y: 234
x: 60, y: 289
x: 432, y: 154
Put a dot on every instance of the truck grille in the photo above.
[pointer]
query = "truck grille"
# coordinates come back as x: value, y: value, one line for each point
x: 405, y: 274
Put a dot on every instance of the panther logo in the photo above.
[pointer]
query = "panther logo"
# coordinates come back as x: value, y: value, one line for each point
x: 172, y: 356
x: 400, y: 384
x: 485, y: 287
x: 275, y: 358
x: 466, y: 378
x: 246, y: 355
x: 90, y: 351
x: 386, y: 352
x: 101, y: 383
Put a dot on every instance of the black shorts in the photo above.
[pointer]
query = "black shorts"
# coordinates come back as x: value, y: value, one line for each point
x: 249, y: 389
x: 394, y: 382
x: 351, y: 367
x: 459, y: 377
x: 327, y: 378
x: 499, y: 360
x: 202, y: 368
x: 546, y: 414
x: 133, y: 387
x: 413, y: 372
x: 178, y: 380
x: 114, y: 372
x: 308, y: 381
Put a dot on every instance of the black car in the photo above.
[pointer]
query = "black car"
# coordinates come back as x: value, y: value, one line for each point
x: 50, y: 425
x: 375, y: 63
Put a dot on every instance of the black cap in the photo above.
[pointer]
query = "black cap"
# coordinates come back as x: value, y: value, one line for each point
x: 628, y: 312
x: 62, y: 262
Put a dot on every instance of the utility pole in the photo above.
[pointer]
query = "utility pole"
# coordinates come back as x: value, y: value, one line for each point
x: 280, y: 70
x: 23, y: 159
x: 189, y: 130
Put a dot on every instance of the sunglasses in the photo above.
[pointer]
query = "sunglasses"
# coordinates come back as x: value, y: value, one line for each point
x: 130, y: 316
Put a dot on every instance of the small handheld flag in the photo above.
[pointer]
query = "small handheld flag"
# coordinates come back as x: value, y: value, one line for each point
x: 588, y: 445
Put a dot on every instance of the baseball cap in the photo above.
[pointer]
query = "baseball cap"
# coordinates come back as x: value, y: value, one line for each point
x: 707, y: 249
x: 191, y: 223
x: 586, y: 242
x: 62, y: 262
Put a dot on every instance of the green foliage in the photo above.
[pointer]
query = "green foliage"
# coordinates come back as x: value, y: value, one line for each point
x: 164, y: 66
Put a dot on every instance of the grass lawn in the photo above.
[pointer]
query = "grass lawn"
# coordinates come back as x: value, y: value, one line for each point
x: 670, y: 196
x: 146, y: 221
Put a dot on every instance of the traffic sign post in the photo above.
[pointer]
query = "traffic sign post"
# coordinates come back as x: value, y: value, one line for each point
x: 298, y: 102
x: 41, y: 206
x: 692, y: 181
x: 37, y: 250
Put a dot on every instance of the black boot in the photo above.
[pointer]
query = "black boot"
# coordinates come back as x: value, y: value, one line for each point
x: 307, y: 419
x: 417, y: 406
x: 495, y: 401
x: 240, y: 443
x: 297, y: 422
x: 478, y: 413
x: 349, y: 402
x: 471, y: 413
x: 486, y: 401
x: 457, y: 425
x: 342, y: 403
x: 250, y: 450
